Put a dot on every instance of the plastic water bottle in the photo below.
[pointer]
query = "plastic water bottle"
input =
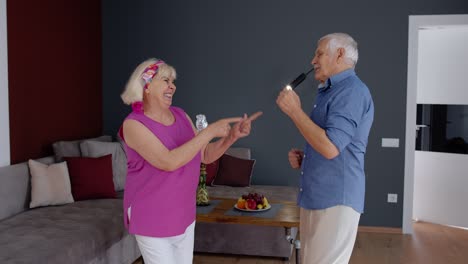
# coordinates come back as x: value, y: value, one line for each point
x: 202, y: 193
x: 201, y: 122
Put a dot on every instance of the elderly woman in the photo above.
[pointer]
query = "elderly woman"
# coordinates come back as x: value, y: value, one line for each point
x: 164, y: 151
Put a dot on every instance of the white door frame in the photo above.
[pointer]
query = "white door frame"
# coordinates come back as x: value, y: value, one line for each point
x: 4, y: 113
x: 415, y: 23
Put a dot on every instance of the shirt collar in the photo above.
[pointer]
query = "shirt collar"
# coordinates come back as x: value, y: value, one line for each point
x: 336, y: 79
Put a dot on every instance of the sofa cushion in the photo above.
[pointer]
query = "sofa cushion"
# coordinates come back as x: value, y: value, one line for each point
x: 96, y: 149
x: 50, y: 184
x: 72, y: 233
x: 91, y: 178
x: 234, y: 171
x: 15, y: 188
x: 241, y: 153
x: 72, y: 148
x: 212, y: 168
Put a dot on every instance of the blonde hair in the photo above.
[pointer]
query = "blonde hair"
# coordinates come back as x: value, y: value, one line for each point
x: 134, y: 89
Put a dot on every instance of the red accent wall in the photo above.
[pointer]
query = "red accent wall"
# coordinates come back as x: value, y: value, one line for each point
x: 54, y: 71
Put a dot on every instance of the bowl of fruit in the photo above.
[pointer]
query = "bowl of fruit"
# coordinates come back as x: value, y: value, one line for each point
x: 252, y: 202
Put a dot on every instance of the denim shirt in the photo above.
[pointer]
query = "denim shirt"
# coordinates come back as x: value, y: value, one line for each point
x: 345, y: 110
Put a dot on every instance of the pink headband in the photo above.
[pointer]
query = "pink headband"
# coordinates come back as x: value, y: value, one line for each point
x: 150, y: 72
x: 147, y: 76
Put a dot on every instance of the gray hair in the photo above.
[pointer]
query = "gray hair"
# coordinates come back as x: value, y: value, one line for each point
x: 345, y: 41
x: 134, y: 89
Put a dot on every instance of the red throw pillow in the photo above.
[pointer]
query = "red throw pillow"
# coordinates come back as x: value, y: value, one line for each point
x: 211, y: 171
x: 91, y: 178
x: 234, y: 171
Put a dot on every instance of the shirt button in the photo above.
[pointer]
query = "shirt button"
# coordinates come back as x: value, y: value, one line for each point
x: 300, y: 189
x: 315, y: 105
x: 302, y: 172
x: 304, y: 155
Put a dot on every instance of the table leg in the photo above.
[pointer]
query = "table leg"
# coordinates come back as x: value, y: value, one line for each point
x: 295, y: 242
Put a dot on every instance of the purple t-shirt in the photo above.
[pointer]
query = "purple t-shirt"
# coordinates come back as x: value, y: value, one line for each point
x: 162, y: 202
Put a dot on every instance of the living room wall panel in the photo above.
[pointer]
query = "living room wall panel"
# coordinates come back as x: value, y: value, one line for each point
x: 54, y: 70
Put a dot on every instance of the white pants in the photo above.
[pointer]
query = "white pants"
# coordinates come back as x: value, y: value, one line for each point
x: 167, y: 250
x: 328, y: 235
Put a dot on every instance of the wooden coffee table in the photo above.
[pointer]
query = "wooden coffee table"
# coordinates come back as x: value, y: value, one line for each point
x: 287, y: 217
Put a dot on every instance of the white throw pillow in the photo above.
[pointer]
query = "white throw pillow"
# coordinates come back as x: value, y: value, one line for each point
x: 50, y: 184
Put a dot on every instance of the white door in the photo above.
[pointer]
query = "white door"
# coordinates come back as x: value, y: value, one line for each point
x: 437, y: 74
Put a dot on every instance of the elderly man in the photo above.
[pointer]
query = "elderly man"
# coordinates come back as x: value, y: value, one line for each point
x: 331, y: 191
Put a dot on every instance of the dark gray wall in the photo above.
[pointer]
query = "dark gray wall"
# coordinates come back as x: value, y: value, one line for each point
x: 234, y: 56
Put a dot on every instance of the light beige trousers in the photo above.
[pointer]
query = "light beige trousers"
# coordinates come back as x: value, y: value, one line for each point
x: 328, y: 235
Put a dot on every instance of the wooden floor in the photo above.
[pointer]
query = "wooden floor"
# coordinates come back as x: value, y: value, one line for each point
x: 429, y: 243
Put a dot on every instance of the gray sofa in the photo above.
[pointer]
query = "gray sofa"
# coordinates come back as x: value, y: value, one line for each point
x: 246, y: 239
x: 89, y: 231
x: 92, y: 231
